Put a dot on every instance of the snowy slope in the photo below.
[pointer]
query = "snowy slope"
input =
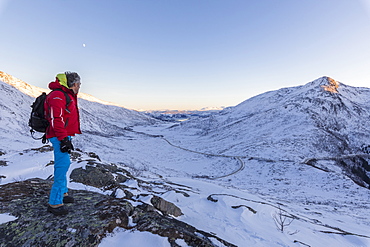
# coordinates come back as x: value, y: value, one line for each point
x: 290, y: 123
x: 34, y: 91
x: 236, y: 198
x: 104, y: 118
x: 14, y: 113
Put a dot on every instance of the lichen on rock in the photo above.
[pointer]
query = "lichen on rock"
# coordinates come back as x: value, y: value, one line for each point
x: 90, y: 218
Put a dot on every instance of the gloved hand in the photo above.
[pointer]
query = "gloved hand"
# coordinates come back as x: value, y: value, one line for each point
x: 66, y: 145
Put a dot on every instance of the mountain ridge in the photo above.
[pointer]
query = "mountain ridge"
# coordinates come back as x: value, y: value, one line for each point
x: 16, y: 97
x: 309, y: 106
x: 35, y: 91
x: 322, y: 118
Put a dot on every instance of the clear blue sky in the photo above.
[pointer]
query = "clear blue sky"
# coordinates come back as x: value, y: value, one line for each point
x: 185, y: 54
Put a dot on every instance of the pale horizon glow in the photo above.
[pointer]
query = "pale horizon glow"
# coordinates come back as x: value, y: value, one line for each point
x: 186, y: 55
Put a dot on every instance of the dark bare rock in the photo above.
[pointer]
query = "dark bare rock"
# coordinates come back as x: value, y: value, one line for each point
x: 165, y: 206
x: 88, y: 221
x: 356, y: 168
x: 90, y: 218
x: 99, y: 175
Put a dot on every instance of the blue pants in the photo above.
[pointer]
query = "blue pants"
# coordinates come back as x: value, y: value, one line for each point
x: 61, y: 165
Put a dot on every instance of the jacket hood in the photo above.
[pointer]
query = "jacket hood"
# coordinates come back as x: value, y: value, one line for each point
x: 55, y: 85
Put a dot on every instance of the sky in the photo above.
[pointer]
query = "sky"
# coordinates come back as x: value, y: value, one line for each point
x: 185, y: 54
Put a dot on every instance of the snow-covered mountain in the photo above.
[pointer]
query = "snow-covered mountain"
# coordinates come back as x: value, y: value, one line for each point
x: 283, y: 155
x: 298, y: 146
x: 321, y: 118
x: 97, y: 116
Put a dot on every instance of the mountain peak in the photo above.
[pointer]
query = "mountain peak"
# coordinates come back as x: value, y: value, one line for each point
x: 331, y: 85
x: 326, y: 83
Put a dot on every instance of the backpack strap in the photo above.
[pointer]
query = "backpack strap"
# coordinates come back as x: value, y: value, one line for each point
x: 42, y: 138
x: 68, y: 99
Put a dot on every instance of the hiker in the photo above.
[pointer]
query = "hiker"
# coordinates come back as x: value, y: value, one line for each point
x: 64, y: 122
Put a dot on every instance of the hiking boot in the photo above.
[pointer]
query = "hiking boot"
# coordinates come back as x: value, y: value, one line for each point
x: 58, y: 211
x: 68, y: 199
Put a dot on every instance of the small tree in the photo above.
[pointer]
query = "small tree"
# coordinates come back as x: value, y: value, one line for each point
x: 282, y: 220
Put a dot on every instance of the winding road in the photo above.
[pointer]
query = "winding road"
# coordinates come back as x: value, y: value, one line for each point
x: 306, y: 161
x: 241, y: 162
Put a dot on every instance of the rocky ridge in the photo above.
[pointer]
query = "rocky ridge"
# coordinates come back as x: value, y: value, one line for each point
x: 93, y: 215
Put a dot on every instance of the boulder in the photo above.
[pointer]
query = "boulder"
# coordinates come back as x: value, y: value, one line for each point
x: 99, y: 175
x: 165, y: 207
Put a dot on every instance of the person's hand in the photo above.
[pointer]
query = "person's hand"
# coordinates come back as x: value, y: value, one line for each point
x: 66, y: 145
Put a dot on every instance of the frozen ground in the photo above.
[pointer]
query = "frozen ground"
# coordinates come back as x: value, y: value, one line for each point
x: 328, y: 208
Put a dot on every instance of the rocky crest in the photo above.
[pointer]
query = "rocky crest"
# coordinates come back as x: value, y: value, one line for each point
x: 93, y: 215
x: 332, y: 85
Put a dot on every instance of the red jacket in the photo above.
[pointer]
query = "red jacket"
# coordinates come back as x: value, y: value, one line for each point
x: 63, y: 122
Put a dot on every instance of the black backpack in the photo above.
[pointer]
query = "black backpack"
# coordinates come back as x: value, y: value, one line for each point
x: 37, y: 120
